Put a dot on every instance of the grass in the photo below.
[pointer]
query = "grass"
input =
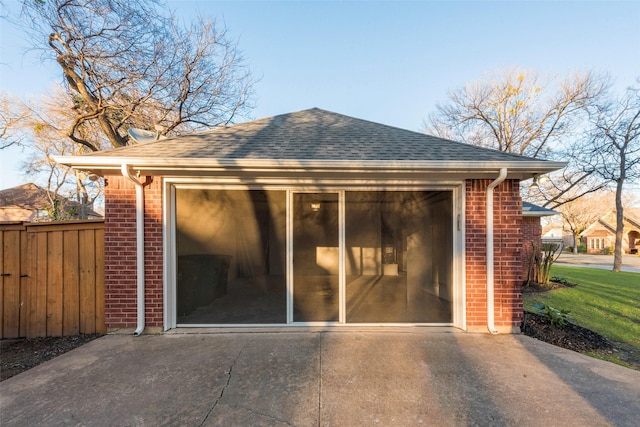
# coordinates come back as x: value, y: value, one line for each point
x: 605, y: 302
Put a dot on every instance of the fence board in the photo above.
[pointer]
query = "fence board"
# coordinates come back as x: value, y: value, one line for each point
x: 101, y: 326
x: 87, y: 262
x: 43, y: 274
x: 25, y: 285
x: 70, y: 283
x: 38, y: 327
x: 61, y: 290
x: 54, y: 283
x: 11, y: 285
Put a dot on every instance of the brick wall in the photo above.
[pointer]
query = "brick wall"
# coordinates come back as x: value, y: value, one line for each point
x: 120, y: 253
x: 531, y: 232
x: 507, y: 255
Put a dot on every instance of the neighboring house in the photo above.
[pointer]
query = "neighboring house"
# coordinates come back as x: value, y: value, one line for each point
x: 312, y: 218
x: 600, y: 237
x: 28, y: 202
x: 554, y: 232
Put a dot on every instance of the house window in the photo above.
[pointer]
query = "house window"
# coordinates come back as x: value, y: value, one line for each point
x: 597, y: 243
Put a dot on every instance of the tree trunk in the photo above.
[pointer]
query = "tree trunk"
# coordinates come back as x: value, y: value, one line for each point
x: 576, y: 243
x: 617, y: 254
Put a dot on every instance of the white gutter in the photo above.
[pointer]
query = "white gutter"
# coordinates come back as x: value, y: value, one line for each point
x: 93, y: 161
x: 490, y: 298
x: 139, y: 245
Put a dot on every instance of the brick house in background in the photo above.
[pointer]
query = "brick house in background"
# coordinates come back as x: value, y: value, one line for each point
x: 312, y: 218
x: 28, y: 202
x: 600, y: 237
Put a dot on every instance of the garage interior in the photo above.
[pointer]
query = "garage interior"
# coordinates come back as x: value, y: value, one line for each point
x: 231, y: 250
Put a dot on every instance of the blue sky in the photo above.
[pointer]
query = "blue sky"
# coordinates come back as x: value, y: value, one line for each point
x: 388, y: 62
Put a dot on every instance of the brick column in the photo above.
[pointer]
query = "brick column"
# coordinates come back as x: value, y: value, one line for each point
x: 120, y: 253
x: 507, y: 256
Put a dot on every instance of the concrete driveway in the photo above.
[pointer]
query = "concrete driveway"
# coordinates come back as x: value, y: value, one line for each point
x: 400, y: 377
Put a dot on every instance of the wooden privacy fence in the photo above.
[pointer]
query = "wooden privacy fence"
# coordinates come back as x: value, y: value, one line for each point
x: 51, y: 278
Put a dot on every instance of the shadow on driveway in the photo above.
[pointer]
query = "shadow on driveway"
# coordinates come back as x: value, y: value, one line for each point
x: 402, y: 376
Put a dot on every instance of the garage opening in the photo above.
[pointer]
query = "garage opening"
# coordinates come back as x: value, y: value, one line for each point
x: 356, y: 257
x: 399, y: 257
x: 230, y: 247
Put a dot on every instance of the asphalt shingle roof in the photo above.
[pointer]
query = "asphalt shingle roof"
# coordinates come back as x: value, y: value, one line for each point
x: 312, y: 134
x: 31, y: 197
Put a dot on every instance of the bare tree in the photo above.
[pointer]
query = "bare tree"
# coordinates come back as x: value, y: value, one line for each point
x: 45, y: 128
x: 13, y: 113
x: 564, y: 186
x: 128, y: 63
x: 519, y: 112
x: 612, y: 151
x: 516, y: 111
x: 581, y: 212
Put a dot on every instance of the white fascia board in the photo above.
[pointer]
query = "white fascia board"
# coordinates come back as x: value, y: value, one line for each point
x: 538, y: 214
x: 177, y: 165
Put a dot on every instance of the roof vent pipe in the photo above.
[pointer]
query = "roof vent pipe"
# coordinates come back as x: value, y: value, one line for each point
x: 139, y: 245
x: 490, y: 251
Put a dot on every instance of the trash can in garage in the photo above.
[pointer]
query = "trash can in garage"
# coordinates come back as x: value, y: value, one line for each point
x: 201, y: 279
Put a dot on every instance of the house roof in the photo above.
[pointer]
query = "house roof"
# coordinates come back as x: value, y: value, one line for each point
x: 26, y: 196
x: 529, y: 209
x: 31, y: 197
x: 607, y: 222
x: 311, y: 138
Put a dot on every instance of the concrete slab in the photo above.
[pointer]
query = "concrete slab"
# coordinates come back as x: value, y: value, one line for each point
x: 403, y: 376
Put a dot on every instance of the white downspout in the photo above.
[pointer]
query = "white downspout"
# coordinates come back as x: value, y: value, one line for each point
x: 139, y: 245
x: 490, y: 299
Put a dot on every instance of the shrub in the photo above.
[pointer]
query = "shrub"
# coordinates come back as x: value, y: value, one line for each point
x: 563, y: 281
x: 556, y: 317
x: 542, y: 258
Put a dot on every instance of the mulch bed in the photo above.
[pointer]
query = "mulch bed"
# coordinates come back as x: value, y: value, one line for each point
x: 20, y: 355
x: 570, y: 336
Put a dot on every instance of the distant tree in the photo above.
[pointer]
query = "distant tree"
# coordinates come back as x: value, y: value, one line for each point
x: 45, y: 127
x: 128, y: 63
x: 13, y: 114
x: 515, y: 111
x: 564, y: 186
x: 580, y: 213
x: 518, y: 112
x: 611, y: 149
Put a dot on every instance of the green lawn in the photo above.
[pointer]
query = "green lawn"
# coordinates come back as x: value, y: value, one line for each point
x: 605, y: 302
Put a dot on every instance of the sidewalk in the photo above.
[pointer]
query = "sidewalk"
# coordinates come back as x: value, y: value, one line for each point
x: 630, y: 263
